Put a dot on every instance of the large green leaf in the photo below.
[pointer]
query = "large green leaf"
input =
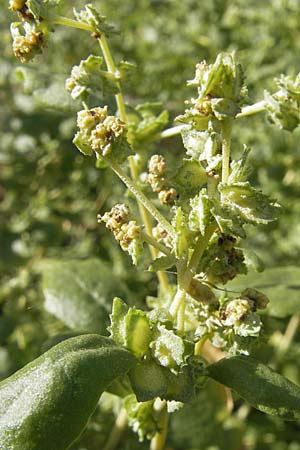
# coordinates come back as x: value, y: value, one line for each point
x: 47, y: 404
x: 280, y: 284
x: 80, y: 293
x: 259, y: 385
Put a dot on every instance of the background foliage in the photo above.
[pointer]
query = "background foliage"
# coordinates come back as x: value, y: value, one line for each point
x: 50, y: 194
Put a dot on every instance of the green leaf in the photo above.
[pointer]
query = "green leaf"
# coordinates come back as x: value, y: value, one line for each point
x: 280, y: 284
x: 141, y: 417
x: 79, y: 293
x: 89, y: 78
x: 92, y: 17
x: 249, y: 203
x: 182, y: 235
x: 200, y: 216
x: 239, y: 170
x: 41, y: 8
x: 147, y: 122
x: 259, y: 385
x: 81, y: 143
x: 207, y: 413
x: 47, y: 404
x: 194, y: 141
x: 161, y: 263
x: 188, y: 179
x: 284, y: 106
x: 150, y: 380
x: 130, y: 327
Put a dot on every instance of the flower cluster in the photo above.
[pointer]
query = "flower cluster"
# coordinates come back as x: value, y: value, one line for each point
x: 101, y: 133
x: 222, y: 261
x: 28, y: 40
x: 157, y: 180
x: 127, y: 233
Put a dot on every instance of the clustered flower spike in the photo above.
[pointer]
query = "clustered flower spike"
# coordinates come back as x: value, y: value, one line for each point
x: 156, y: 179
x: 101, y: 133
x: 29, y: 36
x: 127, y: 233
x: 27, y: 46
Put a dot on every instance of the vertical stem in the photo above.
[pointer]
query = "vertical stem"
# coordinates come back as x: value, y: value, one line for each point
x: 147, y: 220
x: 158, y: 441
x: 145, y: 216
x: 226, y: 141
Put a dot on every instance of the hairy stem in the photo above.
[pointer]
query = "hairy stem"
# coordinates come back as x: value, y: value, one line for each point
x: 246, y: 111
x: 140, y: 196
x: 147, y: 220
x: 252, y: 109
x: 60, y: 20
x: 112, y: 68
x: 145, y: 216
x: 156, y: 245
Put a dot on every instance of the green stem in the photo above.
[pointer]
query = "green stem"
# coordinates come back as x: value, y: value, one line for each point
x: 252, y: 109
x: 112, y: 68
x: 157, y: 245
x: 246, y: 111
x: 226, y: 142
x: 147, y: 220
x: 117, y: 431
x: 145, y: 216
x: 172, y: 131
x: 59, y: 20
x: 158, y: 441
x: 140, y: 196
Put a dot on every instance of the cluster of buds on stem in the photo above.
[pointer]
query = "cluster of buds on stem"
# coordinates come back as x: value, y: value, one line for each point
x: 27, y: 46
x: 223, y: 261
x: 156, y: 179
x: 29, y: 36
x: 101, y: 133
x: 126, y: 232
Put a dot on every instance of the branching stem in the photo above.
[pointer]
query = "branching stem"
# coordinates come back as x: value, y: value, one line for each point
x: 140, y: 196
x: 145, y: 216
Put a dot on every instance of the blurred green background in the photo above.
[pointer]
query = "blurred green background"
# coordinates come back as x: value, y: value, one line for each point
x: 50, y: 194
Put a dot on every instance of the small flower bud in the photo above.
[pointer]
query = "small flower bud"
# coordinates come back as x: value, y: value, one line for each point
x: 157, y: 165
x: 167, y: 196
